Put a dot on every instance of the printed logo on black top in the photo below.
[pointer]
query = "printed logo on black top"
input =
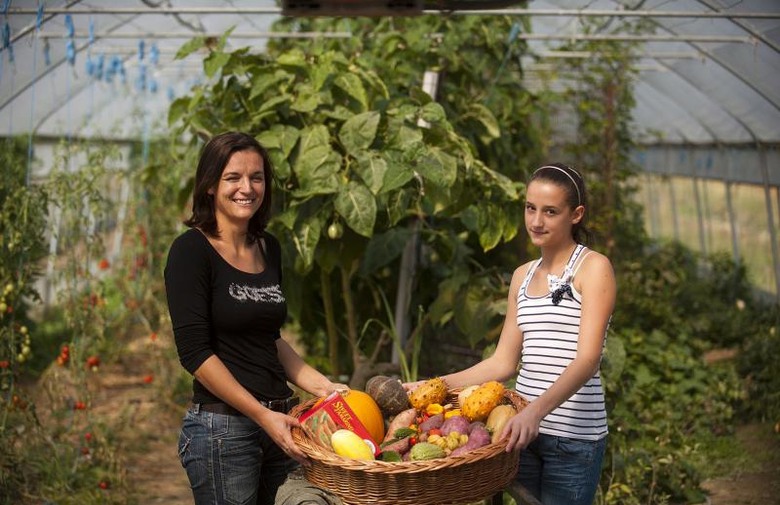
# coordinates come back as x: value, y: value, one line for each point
x: 265, y: 294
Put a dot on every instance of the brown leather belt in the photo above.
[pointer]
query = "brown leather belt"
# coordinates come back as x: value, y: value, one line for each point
x: 283, y: 406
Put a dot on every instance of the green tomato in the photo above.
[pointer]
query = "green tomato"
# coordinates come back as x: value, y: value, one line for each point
x: 335, y: 230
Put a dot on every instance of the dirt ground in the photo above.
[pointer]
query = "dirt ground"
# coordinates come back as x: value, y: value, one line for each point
x: 759, y: 482
x: 147, y: 430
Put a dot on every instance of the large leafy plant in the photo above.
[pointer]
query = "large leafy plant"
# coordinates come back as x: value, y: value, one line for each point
x: 357, y: 165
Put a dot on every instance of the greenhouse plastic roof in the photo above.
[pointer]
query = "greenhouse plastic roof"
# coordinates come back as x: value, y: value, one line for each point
x: 701, y: 80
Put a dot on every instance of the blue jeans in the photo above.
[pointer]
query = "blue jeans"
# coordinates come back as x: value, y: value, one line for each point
x: 230, y: 460
x: 560, y: 470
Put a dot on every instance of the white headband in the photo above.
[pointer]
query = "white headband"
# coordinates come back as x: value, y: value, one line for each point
x: 579, y: 197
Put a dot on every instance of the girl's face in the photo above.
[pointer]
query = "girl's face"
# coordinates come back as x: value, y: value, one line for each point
x: 241, y: 188
x: 548, y: 217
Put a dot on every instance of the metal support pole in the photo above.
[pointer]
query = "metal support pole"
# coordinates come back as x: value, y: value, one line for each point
x: 770, y: 217
x: 652, y: 208
x: 411, y: 254
x: 699, y: 216
x: 732, y: 215
x: 672, y: 196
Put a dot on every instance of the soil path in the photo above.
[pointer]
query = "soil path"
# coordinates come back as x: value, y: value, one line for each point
x: 146, y: 427
x: 758, y: 481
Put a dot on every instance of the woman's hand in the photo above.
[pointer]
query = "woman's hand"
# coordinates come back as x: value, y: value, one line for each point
x: 337, y: 387
x: 278, y: 426
x: 521, y: 429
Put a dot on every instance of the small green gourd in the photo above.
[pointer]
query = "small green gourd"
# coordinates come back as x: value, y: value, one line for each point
x: 423, y: 451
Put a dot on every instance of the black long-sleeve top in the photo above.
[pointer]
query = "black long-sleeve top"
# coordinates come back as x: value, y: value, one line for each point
x: 217, y: 309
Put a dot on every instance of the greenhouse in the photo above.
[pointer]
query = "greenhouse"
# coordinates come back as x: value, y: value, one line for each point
x: 404, y: 136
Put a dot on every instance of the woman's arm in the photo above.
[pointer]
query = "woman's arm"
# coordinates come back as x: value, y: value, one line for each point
x: 302, y: 374
x: 596, y: 283
x: 215, y: 376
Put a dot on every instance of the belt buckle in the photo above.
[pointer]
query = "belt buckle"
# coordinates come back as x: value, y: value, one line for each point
x: 284, y: 405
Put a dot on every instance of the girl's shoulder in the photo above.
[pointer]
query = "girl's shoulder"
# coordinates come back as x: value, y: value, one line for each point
x: 592, y: 264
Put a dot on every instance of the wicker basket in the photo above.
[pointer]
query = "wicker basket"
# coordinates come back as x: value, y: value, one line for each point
x: 471, y: 477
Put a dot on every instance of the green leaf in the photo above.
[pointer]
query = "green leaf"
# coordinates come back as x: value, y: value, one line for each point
x: 177, y: 109
x: 312, y: 137
x: 272, y: 104
x: 320, y: 73
x: 484, y: 116
x: 357, y: 206
x: 374, y: 81
x: 353, y: 86
x: 190, y: 47
x: 307, y: 99
x: 223, y: 39
x: 317, y: 172
x: 472, y: 313
x: 279, y: 136
x: 305, y: 236
x: 372, y: 168
x: 406, y: 138
x: 491, y: 226
x: 264, y: 81
x: 438, y: 167
x: 396, y: 175
x: 509, y: 187
x: 433, y: 113
x: 358, y: 132
x: 214, y: 62
x: 383, y: 249
x: 293, y: 58
x: 282, y: 168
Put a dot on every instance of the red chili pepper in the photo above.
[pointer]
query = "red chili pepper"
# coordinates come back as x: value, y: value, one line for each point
x: 434, y: 431
x: 412, y: 440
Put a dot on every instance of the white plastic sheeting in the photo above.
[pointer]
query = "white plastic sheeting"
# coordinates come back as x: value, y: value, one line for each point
x: 720, y: 92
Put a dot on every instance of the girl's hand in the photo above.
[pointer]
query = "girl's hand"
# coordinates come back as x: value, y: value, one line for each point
x: 411, y: 386
x: 521, y: 429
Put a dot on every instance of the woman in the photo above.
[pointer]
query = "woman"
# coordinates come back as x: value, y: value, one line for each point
x: 223, y: 280
x: 558, y: 311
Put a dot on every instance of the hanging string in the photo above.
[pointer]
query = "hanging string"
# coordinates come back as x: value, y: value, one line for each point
x: 513, y: 33
x: 36, y: 34
x: 8, y: 47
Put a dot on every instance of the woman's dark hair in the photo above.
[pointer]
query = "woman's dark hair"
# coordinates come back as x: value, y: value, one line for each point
x: 213, y: 160
x: 574, y: 185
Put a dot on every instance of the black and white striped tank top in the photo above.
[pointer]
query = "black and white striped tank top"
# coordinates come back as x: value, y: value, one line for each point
x: 550, y: 335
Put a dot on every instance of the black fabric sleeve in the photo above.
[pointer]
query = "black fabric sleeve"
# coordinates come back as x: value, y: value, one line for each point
x: 274, y: 257
x: 188, y: 288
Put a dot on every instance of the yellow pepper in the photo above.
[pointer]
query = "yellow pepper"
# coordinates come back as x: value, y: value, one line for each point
x: 433, y: 409
x: 450, y: 413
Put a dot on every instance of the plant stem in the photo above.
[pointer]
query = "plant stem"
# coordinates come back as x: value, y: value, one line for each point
x: 330, y: 323
x: 352, y: 332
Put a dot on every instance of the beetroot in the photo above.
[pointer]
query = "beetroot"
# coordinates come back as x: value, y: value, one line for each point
x: 431, y: 423
x: 455, y: 423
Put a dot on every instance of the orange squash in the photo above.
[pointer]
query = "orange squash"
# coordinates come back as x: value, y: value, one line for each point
x: 366, y: 409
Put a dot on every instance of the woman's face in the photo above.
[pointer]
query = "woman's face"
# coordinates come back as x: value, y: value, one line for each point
x: 548, y: 217
x: 240, y: 189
